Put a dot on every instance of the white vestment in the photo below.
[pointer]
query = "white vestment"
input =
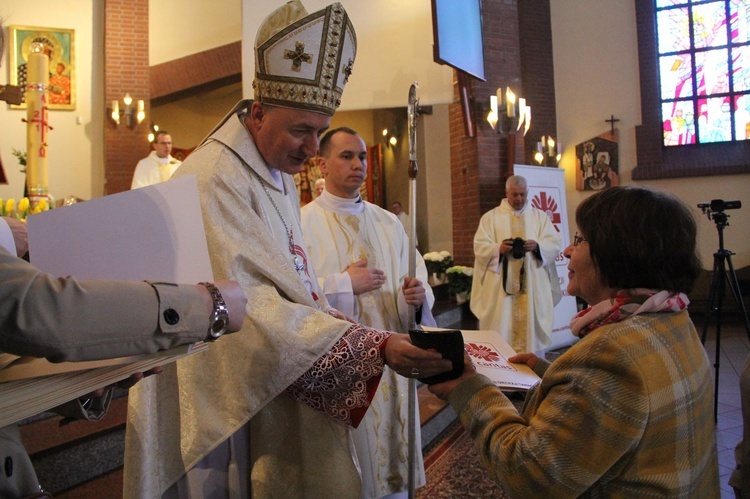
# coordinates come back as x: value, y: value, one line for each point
x: 406, y: 222
x: 532, y: 309
x: 152, y: 169
x: 337, y: 233
x: 287, y: 441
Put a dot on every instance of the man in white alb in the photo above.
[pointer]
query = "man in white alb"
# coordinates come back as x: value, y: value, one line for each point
x: 360, y: 254
x: 512, y: 290
x: 159, y: 165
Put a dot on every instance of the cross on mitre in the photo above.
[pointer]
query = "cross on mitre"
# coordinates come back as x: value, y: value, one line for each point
x: 298, y: 56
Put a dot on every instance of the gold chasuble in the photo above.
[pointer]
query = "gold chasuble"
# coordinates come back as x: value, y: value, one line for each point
x: 298, y: 442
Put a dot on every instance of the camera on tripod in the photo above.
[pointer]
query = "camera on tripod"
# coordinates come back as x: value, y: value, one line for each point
x: 715, y: 210
x: 719, y: 205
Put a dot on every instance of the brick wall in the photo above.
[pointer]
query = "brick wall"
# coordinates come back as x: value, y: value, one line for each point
x: 517, y: 53
x: 126, y: 70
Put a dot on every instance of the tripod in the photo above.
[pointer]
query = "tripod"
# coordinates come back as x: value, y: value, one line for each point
x: 721, y: 276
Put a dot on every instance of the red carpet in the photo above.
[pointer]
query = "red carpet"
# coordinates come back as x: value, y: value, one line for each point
x: 453, y: 468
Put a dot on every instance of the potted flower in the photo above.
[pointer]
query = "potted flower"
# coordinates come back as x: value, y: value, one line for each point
x: 437, y: 263
x: 459, y: 280
x: 22, y: 209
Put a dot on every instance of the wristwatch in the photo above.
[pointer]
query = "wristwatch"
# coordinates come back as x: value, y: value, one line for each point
x: 220, y: 314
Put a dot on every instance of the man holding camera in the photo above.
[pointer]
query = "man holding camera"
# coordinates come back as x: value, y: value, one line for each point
x: 515, y: 285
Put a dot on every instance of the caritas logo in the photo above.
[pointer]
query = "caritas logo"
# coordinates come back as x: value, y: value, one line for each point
x: 486, y: 355
x: 547, y: 202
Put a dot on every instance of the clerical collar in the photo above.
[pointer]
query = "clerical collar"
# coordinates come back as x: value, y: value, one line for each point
x: 278, y: 181
x: 510, y: 208
x: 160, y: 160
x: 350, y: 206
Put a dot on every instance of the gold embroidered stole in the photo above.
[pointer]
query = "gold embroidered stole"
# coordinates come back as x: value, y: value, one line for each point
x: 521, y: 298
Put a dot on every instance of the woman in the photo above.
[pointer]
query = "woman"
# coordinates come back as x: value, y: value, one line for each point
x: 628, y: 410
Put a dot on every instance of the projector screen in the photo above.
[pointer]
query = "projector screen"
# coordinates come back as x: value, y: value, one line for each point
x: 457, y: 33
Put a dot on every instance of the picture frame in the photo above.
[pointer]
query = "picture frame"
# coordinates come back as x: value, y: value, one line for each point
x: 60, y: 45
x: 597, y: 162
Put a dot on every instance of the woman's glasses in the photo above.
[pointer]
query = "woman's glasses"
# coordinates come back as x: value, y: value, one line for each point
x: 578, y: 240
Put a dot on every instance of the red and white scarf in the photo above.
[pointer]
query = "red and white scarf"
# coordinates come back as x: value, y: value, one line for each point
x: 626, y: 303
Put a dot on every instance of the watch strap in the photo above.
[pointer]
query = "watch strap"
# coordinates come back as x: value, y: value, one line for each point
x: 220, y: 314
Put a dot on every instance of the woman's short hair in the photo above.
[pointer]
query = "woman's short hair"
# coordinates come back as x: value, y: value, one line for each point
x: 640, y: 238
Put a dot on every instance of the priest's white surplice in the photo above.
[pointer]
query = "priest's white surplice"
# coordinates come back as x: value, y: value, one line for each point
x: 337, y: 233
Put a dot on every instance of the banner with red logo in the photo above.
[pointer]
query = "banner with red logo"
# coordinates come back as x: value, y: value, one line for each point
x: 547, y: 193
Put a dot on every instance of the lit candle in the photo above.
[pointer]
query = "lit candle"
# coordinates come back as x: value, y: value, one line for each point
x: 141, y: 115
x: 550, y: 146
x: 540, y: 146
x: 510, y: 98
x: 527, y: 114
x: 492, y: 115
x: 521, y: 112
x: 37, y: 78
x: 116, y: 111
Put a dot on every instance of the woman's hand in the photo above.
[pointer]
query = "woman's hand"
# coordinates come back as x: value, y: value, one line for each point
x: 524, y: 358
x: 444, y: 389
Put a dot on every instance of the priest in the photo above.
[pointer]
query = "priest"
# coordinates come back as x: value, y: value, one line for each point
x: 360, y: 254
x: 515, y: 286
x: 268, y: 415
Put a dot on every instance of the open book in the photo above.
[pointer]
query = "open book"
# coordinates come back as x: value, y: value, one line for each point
x: 489, y: 352
x: 38, y: 385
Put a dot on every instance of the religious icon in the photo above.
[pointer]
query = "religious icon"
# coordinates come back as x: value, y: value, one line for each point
x: 597, y: 163
x: 59, y: 46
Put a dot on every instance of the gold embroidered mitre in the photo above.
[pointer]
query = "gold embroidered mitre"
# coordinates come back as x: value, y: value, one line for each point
x: 304, y: 61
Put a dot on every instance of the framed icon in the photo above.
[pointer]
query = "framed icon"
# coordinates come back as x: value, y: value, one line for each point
x: 59, y: 45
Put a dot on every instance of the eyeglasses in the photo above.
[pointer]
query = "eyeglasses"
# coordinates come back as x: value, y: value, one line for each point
x: 578, y: 240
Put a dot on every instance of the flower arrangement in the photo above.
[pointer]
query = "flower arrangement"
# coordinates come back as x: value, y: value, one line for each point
x: 438, y: 262
x: 22, y: 209
x: 459, y: 278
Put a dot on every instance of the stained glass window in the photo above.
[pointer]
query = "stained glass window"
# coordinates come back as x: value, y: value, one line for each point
x: 704, y: 70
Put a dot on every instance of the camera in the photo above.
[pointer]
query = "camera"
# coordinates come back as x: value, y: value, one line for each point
x: 719, y: 205
x: 517, y: 250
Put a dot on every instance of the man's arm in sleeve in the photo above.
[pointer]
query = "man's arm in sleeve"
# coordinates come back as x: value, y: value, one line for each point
x: 66, y: 319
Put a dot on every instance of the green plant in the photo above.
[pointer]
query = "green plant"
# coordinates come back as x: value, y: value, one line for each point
x: 460, y: 278
x: 21, y: 156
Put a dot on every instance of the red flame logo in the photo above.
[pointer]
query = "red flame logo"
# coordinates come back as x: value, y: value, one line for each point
x: 545, y: 202
x: 482, y: 352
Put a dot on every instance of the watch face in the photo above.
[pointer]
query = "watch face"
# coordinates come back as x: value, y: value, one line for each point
x: 218, y: 327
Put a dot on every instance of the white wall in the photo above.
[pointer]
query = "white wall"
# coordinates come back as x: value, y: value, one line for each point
x: 394, y: 48
x: 76, y: 152
x: 596, y: 74
x: 178, y: 28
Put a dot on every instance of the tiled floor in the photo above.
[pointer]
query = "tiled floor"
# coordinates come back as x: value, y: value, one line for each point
x: 734, y: 346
